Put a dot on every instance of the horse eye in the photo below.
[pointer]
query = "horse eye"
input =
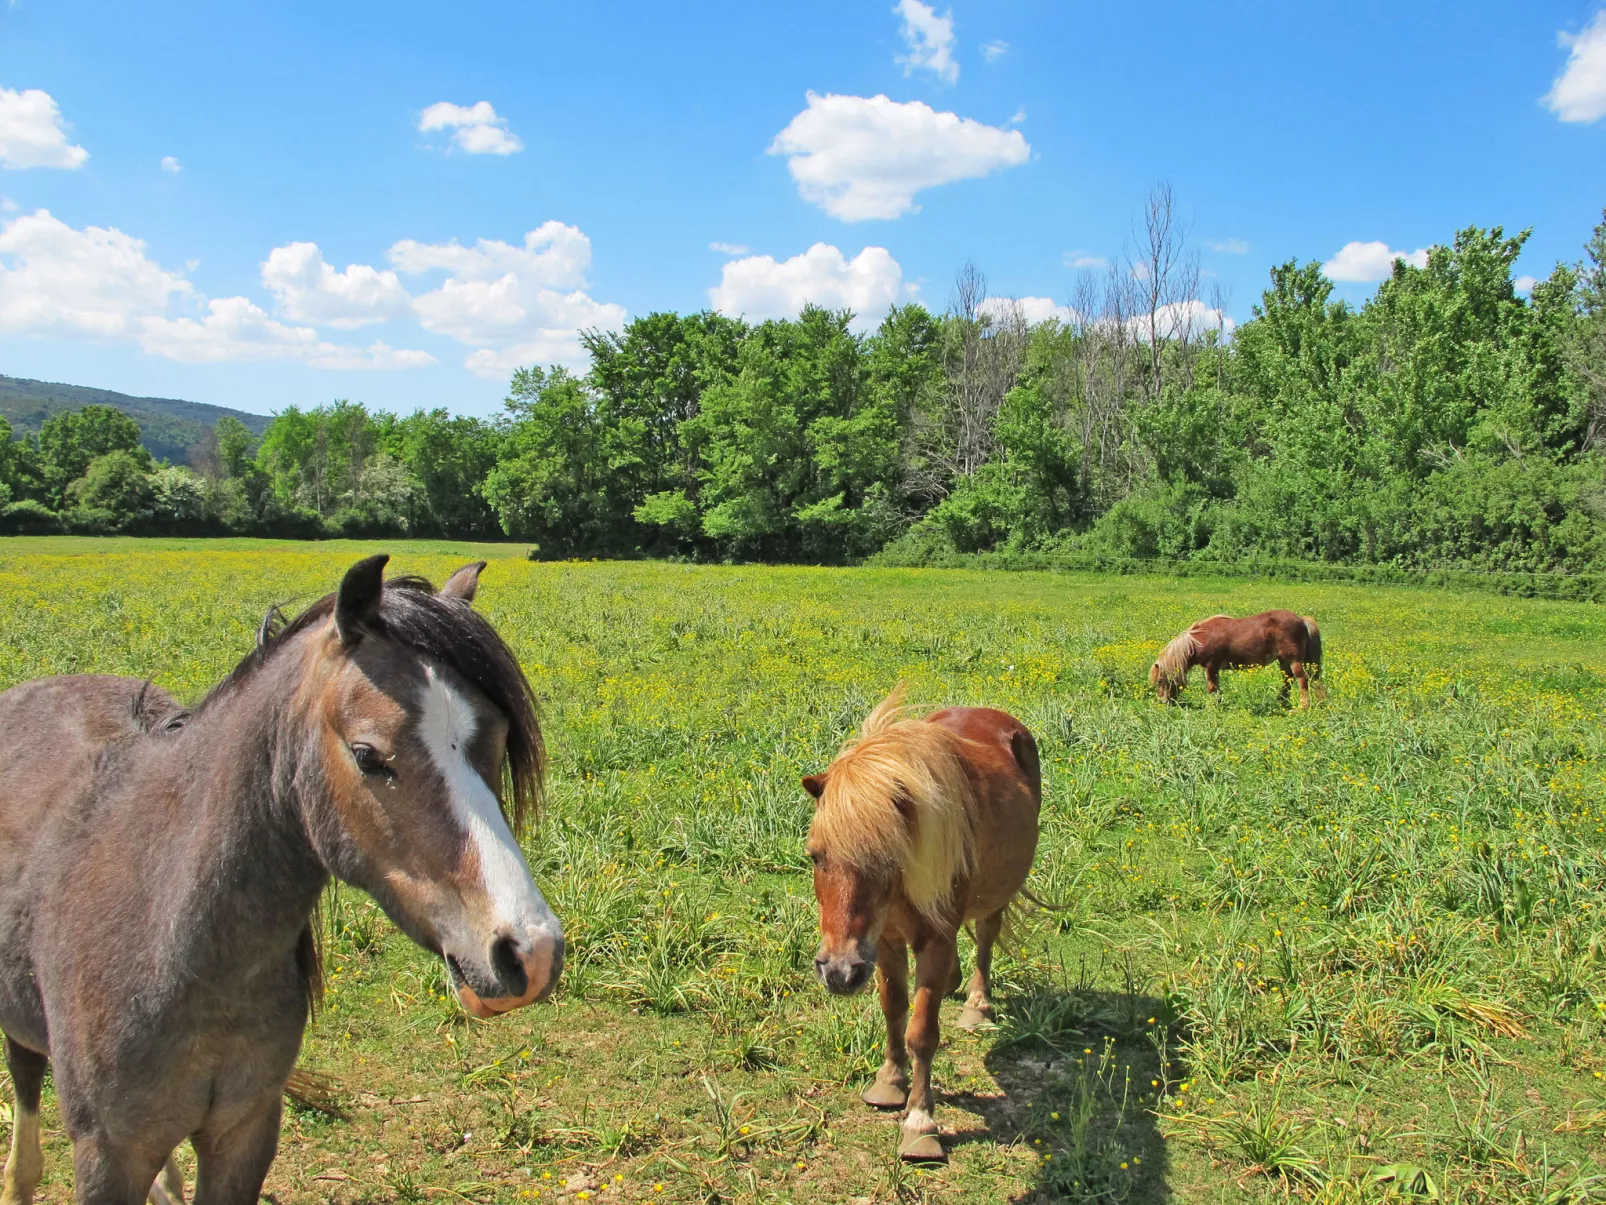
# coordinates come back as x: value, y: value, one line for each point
x: 816, y: 857
x: 371, y: 762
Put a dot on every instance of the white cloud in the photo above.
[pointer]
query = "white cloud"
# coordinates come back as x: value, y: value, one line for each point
x: 309, y: 290
x: 729, y: 248
x: 32, y: 134
x: 1033, y: 310
x: 1083, y: 261
x: 170, y: 163
x: 761, y: 287
x: 1183, y: 318
x: 930, y: 39
x: 1367, y: 263
x: 1579, y: 92
x: 1017, y: 117
x: 993, y: 51
x: 525, y: 304
x: 7, y: 205
x: 1229, y: 246
x: 96, y: 281
x: 1525, y: 284
x: 475, y: 128
x: 236, y: 329
x: 866, y: 157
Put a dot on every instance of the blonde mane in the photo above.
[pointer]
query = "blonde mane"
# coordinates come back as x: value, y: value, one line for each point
x: 897, y: 760
x: 1172, y: 663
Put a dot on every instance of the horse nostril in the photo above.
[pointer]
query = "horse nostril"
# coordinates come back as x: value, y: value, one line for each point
x: 508, y: 967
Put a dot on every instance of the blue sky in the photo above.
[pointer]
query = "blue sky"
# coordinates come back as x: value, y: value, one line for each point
x: 260, y: 205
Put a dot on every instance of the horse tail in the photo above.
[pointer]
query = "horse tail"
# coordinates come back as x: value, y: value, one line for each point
x: 1313, y: 646
x: 1023, y: 745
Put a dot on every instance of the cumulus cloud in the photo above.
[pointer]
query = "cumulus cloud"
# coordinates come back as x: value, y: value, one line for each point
x: 1525, y: 284
x: 1183, y: 319
x: 97, y: 281
x: 236, y: 329
x: 309, y: 290
x: 993, y: 51
x: 32, y: 133
x: 1032, y: 310
x: 171, y: 164
x: 930, y: 39
x: 1086, y: 262
x: 729, y: 248
x: 475, y: 128
x: 866, y: 157
x: 1229, y: 246
x: 1367, y: 263
x: 1579, y: 92
x: 761, y: 287
x: 524, y: 304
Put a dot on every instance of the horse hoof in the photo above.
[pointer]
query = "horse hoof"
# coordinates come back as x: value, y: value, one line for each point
x: 885, y: 1096
x: 922, y: 1148
x: 972, y: 1019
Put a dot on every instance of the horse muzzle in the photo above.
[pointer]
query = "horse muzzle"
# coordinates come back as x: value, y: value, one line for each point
x: 514, y: 972
x: 844, y: 974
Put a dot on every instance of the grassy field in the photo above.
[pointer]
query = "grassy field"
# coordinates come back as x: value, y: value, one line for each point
x: 1345, y: 955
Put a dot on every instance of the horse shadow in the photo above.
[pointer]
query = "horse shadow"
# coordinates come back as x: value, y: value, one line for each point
x: 1080, y: 1075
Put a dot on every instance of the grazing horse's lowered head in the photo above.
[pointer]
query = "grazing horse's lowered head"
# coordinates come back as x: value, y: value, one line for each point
x: 420, y: 716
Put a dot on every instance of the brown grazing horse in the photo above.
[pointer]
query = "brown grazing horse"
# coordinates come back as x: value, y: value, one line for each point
x: 1222, y: 642
x: 159, y: 871
x: 920, y: 826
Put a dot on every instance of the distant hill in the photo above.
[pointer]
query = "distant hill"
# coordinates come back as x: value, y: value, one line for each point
x: 167, y: 426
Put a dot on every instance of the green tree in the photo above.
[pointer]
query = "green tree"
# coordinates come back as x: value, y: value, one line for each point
x: 114, y: 493
x: 549, y: 483
x: 69, y: 441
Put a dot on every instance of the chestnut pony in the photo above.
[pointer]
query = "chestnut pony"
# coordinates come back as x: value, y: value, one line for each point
x: 159, y: 870
x: 1222, y: 642
x: 920, y: 826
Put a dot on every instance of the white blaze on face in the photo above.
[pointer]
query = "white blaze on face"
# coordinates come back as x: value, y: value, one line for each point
x: 447, y: 727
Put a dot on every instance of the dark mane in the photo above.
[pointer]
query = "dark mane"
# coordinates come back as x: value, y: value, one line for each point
x: 444, y: 630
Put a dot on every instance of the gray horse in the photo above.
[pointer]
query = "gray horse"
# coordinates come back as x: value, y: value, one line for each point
x: 159, y: 871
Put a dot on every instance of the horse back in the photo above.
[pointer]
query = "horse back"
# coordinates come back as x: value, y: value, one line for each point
x: 52, y: 733
x: 1006, y: 777
x: 1252, y: 640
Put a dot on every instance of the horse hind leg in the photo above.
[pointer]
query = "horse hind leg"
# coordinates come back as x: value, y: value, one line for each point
x: 978, y: 1010
x: 25, y: 1166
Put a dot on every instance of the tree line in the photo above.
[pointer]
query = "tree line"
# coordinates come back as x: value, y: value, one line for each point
x: 1447, y: 421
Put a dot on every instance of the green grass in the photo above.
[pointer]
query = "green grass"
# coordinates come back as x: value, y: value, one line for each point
x: 1349, y: 955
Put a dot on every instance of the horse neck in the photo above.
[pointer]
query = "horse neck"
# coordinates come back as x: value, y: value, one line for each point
x: 249, y: 875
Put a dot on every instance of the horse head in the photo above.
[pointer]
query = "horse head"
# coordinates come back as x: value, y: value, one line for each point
x: 422, y: 723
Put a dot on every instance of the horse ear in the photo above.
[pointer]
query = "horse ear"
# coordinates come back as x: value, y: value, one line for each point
x: 814, y: 784
x: 463, y: 584
x: 357, y: 604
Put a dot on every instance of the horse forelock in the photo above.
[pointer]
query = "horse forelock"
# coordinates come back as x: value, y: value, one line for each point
x: 445, y: 631
x: 929, y: 840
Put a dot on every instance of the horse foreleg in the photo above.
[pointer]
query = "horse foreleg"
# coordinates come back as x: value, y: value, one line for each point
x: 26, y: 1164
x: 933, y: 963
x: 104, y: 1174
x: 891, y: 1087
x: 1297, y: 670
x: 230, y: 1167
x: 168, y: 1188
x: 978, y: 1004
x: 1212, y: 679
